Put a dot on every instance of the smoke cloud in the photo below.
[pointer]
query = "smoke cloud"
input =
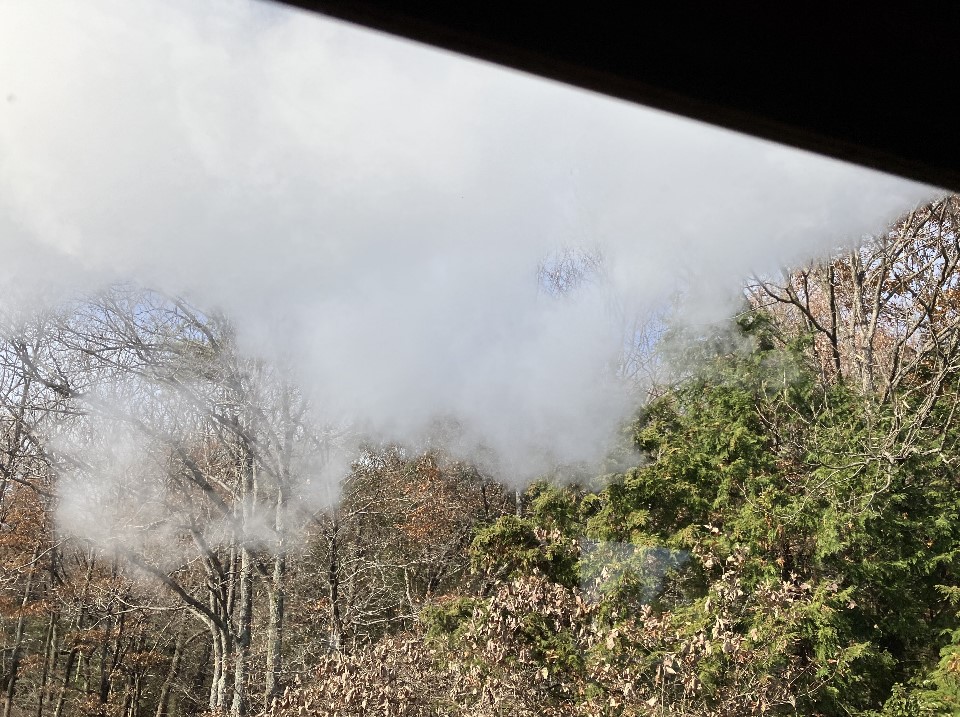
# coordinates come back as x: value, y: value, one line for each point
x: 375, y: 212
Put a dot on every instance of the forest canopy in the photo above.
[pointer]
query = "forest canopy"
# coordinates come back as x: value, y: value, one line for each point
x: 776, y: 533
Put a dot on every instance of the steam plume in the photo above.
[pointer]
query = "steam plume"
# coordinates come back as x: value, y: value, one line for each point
x: 376, y: 212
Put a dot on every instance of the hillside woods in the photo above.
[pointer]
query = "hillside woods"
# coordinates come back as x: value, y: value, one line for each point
x: 785, y: 543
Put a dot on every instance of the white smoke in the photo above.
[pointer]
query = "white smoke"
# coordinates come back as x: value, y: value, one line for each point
x: 376, y: 211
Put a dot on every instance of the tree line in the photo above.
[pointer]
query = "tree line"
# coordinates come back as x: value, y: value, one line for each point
x: 168, y: 544
x: 785, y: 542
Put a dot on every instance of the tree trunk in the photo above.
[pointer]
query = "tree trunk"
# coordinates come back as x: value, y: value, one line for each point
x: 103, y: 692
x: 241, y: 655
x: 834, y: 320
x: 163, y: 699
x: 276, y: 597
x: 860, y: 337
x: 333, y: 586
x: 217, y: 665
x: 220, y: 684
x: 244, y: 608
x: 49, y: 656
x: 18, y: 638
x: 65, y: 685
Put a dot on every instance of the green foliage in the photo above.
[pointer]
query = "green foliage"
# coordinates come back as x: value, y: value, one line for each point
x: 554, y: 507
x: 752, y: 450
x: 905, y: 703
x: 514, y: 546
x: 445, y: 619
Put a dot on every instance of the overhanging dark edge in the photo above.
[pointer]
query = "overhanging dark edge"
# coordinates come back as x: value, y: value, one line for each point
x: 734, y: 65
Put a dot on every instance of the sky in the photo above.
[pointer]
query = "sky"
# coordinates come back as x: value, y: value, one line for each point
x: 374, y: 212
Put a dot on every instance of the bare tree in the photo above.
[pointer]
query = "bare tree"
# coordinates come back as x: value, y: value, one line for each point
x: 886, y: 315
